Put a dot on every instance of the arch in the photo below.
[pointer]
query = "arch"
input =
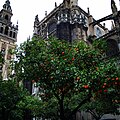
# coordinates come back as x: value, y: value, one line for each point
x: 112, y: 47
x: 52, y: 25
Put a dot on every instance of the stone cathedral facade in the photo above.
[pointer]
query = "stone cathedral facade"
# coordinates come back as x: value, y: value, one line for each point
x: 8, y: 36
x: 68, y: 21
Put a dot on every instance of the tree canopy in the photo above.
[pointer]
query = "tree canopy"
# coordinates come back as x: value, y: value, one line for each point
x: 69, y: 74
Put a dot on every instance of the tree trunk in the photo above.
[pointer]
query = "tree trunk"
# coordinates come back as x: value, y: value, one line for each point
x: 96, y: 117
x: 79, y: 105
x: 27, y: 115
x: 62, y: 117
x: 4, y: 114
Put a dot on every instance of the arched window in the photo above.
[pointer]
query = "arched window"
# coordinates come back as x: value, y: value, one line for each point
x: 10, y: 33
x: 51, y: 27
x: 98, y: 32
x: 112, y: 47
x: 6, y: 30
x: 6, y: 17
x: 1, y: 29
x: 14, y: 34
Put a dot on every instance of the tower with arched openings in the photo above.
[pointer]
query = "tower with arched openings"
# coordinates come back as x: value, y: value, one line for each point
x: 8, y: 36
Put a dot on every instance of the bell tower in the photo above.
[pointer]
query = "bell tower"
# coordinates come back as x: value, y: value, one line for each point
x: 6, y: 12
x: 8, y: 36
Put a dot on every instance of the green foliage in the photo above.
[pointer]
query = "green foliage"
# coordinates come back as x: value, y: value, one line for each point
x: 67, y: 75
x: 14, y: 101
x: 49, y: 109
x: 8, y: 99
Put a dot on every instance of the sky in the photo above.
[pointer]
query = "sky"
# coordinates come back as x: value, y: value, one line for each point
x: 24, y: 11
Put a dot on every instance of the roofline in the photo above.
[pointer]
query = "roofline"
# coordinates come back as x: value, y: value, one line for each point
x: 57, y: 9
x: 51, y: 13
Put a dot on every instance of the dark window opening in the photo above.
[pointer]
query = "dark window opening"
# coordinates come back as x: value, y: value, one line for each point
x: 10, y: 33
x: 14, y: 35
x: 6, y: 17
x: 1, y: 29
x: 6, y: 30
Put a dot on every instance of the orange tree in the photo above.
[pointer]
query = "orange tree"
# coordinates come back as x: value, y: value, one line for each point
x: 101, y: 77
x: 64, y: 71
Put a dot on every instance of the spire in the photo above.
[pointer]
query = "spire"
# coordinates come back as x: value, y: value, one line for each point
x: 36, y: 22
x: 112, y: 25
x: 55, y: 4
x: 88, y: 11
x: 36, y: 19
x: 7, y: 6
x: 45, y: 13
x: 113, y: 7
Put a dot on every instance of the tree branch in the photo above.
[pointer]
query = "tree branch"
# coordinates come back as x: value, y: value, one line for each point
x: 80, y: 104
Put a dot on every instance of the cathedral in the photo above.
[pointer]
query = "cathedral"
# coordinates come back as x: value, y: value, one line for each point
x: 8, y: 37
x: 69, y: 22
x: 66, y: 21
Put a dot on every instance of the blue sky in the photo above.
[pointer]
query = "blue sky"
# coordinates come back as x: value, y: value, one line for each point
x: 24, y: 12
